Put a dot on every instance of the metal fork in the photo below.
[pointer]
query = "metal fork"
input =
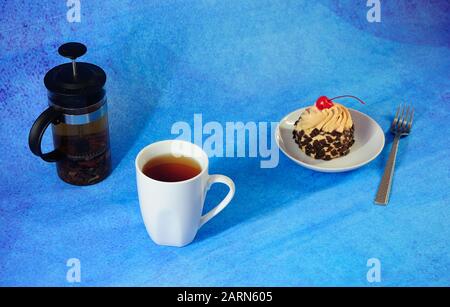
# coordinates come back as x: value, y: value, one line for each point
x: 401, y: 126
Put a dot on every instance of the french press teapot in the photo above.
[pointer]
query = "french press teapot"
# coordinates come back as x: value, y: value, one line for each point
x: 78, y: 114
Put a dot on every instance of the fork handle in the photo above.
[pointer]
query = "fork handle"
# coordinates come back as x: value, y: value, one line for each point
x: 382, y: 197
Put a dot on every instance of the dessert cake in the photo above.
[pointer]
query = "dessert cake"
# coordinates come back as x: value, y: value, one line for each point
x: 325, y: 131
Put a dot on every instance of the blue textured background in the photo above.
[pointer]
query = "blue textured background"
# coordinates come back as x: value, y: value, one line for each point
x: 231, y: 61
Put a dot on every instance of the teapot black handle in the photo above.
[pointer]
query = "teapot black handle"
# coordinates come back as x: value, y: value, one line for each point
x: 37, y: 132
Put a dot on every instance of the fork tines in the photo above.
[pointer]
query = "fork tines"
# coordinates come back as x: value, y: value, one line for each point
x: 403, y: 119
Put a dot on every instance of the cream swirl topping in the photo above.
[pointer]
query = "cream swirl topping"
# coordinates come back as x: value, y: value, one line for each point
x: 337, y: 118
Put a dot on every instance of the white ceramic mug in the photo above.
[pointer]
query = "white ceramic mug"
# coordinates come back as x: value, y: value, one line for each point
x: 172, y: 210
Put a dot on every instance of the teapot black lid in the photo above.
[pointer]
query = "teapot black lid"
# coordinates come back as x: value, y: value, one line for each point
x: 75, y: 84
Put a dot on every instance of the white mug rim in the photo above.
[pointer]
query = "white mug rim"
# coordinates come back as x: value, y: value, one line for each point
x: 146, y: 148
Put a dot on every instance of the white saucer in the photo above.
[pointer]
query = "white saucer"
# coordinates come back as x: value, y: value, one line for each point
x: 369, y: 142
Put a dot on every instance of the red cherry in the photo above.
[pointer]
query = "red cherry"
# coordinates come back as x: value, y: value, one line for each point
x: 323, y: 103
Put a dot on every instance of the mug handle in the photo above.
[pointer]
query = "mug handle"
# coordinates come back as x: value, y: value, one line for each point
x: 37, y: 132
x: 218, y: 179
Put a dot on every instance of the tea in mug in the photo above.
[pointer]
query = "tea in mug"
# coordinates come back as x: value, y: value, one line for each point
x: 169, y: 168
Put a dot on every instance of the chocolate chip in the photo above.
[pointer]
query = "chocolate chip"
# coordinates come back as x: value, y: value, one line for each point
x: 335, y: 133
x: 321, y: 153
x: 314, y: 132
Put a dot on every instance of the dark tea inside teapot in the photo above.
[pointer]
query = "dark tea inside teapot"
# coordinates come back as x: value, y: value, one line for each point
x: 78, y: 114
